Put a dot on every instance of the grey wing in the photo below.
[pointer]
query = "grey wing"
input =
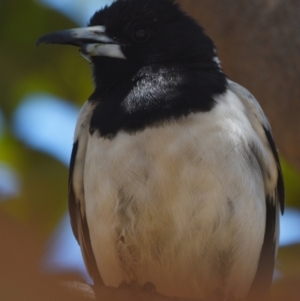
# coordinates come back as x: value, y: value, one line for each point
x: 274, y: 191
x: 80, y: 226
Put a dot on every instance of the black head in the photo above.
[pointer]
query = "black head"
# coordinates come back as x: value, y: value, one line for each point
x: 151, y: 62
x: 154, y: 32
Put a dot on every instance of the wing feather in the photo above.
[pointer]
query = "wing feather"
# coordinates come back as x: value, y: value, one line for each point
x: 76, y: 193
x: 80, y: 226
x: 274, y: 192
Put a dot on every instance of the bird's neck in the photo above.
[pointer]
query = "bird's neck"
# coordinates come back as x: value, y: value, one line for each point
x: 153, y: 95
x: 110, y: 73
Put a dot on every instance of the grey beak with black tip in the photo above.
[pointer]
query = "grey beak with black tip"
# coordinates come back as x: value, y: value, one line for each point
x: 92, y: 41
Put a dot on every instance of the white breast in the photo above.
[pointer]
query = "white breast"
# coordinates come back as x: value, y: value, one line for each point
x: 181, y: 205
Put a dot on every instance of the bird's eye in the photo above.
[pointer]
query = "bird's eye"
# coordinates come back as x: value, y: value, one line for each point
x: 141, y: 34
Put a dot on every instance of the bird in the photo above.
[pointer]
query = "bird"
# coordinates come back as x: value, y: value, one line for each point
x: 175, y: 179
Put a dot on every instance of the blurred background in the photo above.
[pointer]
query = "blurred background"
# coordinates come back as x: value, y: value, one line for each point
x: 43, y: 88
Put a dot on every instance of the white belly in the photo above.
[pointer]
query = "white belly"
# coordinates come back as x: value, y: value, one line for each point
x: 177, y: 205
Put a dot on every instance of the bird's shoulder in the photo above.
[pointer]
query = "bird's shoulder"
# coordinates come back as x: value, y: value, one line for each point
x: 264, y: 147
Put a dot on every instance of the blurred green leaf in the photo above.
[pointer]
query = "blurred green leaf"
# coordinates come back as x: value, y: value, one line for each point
x: 43, y: 196
x: 292, y: 184
x: 26, y: 68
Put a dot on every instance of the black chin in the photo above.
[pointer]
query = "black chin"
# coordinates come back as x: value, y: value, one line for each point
x: 110, y: 72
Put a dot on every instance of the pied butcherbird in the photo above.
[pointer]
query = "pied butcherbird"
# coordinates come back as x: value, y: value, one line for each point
x: 174, y: 177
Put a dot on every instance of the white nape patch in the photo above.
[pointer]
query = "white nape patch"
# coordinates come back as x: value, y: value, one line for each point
x: 181, y: 205
x: 216, y: 59
x: 110, y: 50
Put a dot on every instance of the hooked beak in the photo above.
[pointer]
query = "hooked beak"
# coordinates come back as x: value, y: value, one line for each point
x: 92, y: 41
